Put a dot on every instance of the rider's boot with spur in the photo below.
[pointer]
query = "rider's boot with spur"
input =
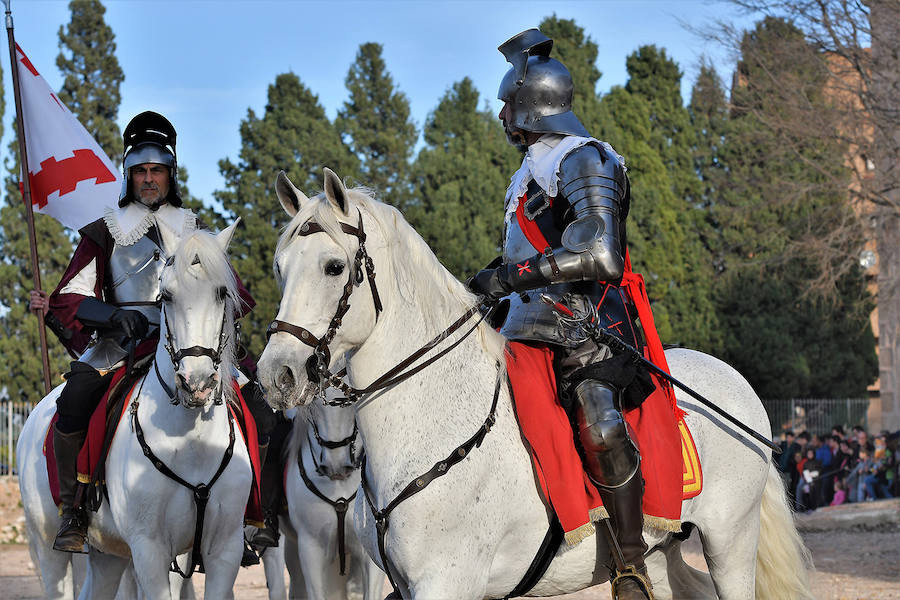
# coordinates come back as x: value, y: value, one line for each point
x: 72, y: 533
x: 627, y: 517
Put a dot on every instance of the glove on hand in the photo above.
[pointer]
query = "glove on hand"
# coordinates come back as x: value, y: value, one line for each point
x: 490, y: 283
x: 131, y: 322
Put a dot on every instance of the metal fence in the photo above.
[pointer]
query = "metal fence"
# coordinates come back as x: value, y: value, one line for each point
x: 12, y: 418
x: 812, y: 414
x: 816, y: 415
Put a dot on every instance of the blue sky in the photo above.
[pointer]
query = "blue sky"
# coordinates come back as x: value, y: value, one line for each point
x: 204, y: 63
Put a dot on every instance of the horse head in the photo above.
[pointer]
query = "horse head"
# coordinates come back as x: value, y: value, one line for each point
x: 320, y: 261
x: 333, y: 439
x: 199, y: 297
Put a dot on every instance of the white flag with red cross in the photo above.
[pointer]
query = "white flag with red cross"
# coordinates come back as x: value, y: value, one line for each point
x: 72, y: 179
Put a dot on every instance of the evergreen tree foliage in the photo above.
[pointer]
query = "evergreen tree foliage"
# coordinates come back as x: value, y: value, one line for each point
x: 91, y: 73
x: 662, y: 249
x: 788, y: 340
x: 656, y: 77
x: 576, y: 50
x: 708, y: 109
x: 460, y: 179
x: 293, y: 134
x: 793, y: 346
x: 375, y: 123
x: 22, y: 371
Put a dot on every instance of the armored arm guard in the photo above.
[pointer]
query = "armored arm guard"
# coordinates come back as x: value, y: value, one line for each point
x: 594, y: 183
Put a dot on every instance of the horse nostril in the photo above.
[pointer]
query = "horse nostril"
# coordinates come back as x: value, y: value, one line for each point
x: 285, y: 379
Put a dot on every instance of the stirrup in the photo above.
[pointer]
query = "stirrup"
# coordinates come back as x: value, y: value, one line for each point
x: 72, y: 533
x: 631, y: 573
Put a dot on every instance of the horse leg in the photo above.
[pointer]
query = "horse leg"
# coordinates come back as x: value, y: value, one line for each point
x: 223, y: 566
x: 104, y: 573
x: 319, y: 573
x: 674, y: 578
x: 730, y: 551
x: 57, y: 579
x: 292, y: 561
x: 273, y: 563
x: 151, y: 568
x: 373, y: 579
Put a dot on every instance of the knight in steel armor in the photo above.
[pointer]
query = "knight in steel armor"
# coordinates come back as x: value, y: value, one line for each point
x: 565, y: 237
x: 108, y: 300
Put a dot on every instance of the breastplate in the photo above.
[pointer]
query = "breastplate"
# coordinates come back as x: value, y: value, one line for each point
x: 529, y: 318
x: 133, y: 277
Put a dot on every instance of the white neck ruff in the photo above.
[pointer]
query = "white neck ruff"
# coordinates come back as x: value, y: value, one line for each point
x: 541, y: 163
x: 129, y: 224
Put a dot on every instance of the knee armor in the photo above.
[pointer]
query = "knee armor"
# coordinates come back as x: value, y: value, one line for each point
x: 610, y: 456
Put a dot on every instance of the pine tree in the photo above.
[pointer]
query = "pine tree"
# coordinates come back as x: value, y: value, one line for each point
x: 579, y: 53
x: 92, y: 75
x: 786, y: 338
x: 460, y: 178
x: 375, y: 123
x: 293, y: 135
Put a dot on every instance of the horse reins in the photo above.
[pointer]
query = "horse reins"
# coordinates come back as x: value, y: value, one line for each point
x: 340, y: 505
x: 422, y: 481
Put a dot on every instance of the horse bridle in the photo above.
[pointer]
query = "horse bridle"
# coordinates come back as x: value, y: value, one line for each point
x: 349, y: 441
x: 177, y: 355
x: 317, y: 365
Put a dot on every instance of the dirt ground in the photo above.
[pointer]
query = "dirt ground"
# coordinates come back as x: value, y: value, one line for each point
x: 855, y: 548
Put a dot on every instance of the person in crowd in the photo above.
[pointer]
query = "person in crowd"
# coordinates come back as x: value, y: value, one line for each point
x: 840, y: 494
x: 807, y: 493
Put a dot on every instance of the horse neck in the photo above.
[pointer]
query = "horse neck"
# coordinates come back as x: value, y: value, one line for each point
x: 408, y: 427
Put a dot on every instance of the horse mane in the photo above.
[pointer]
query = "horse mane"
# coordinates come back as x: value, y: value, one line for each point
x: 421, y: 280
x: 216, y: 268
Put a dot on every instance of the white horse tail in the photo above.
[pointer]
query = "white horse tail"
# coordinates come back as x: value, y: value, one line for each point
x: 782, y: 559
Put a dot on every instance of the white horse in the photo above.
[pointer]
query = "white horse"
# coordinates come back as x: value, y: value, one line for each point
x: 473, y: 532
x: 180, y: 416
x: 322, y: 461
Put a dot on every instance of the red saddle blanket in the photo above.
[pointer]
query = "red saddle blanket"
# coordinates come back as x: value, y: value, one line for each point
x: 93, y: 452
x: 669, y: 462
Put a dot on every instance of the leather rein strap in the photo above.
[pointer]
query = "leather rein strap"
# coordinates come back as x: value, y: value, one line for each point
x: 420, y: 483
x: 201, y: 490
x: 340, y: 507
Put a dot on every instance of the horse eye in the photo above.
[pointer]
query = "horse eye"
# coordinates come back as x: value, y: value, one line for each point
x: 334, y: 268
x: 165, y: 296
x: 220, y: 294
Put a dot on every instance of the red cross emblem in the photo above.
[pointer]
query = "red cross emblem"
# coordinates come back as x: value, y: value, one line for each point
x: 524, y: 268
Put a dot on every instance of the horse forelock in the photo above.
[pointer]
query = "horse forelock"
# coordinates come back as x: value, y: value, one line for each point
x: 215, y: 268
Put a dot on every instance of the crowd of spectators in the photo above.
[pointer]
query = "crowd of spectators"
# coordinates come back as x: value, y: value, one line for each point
x: 839, y: 467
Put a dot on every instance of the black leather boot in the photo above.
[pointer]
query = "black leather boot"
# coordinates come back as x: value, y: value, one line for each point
x: 72, y: 533
x: 627, y: 517
x: 271, y: 492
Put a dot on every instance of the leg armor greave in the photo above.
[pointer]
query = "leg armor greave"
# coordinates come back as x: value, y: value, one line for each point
x: 611, y: 458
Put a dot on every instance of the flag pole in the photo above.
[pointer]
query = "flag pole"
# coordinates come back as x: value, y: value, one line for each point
x: 26, y: 190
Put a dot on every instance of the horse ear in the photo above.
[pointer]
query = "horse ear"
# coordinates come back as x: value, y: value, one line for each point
x: 290, y: 197
x: 335, y: 191
x: 223, y: 238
